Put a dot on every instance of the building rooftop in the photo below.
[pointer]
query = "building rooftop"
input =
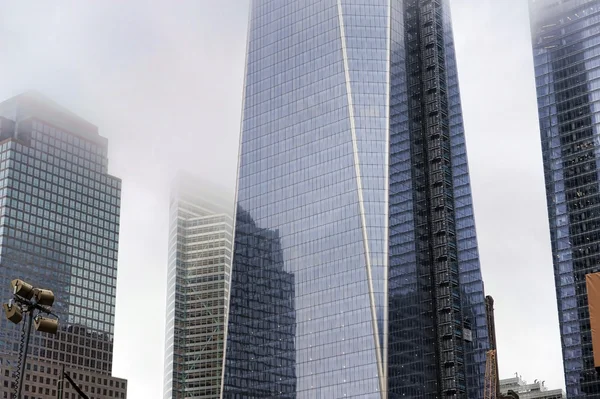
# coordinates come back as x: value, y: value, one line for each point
x: 535, y: 390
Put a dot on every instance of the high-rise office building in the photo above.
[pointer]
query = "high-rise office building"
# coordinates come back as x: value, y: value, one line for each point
x: 59, y: 229
x: 200, y: 240
x: 355, y: 269
x: 566, y: 49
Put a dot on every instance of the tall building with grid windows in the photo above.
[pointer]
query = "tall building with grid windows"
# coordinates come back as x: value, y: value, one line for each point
x: 355, y: 270
x: 566, y: 51
x: 59, y: 229
x: 200, y: 239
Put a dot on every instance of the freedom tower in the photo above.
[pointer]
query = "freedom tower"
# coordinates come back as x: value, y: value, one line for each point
x: 355, y: 270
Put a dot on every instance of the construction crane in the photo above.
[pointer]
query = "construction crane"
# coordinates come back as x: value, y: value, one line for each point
x: 491, y: 387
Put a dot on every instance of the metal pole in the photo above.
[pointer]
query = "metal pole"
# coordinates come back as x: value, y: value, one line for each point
x: 22, y: 375
x: 61, y: 382
x: 75, y: 386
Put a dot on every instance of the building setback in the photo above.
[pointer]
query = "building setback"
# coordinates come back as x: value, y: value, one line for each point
x: 355, y: 269
x: 200, y: 239
x: 59, y: 229
x: 566, y: 48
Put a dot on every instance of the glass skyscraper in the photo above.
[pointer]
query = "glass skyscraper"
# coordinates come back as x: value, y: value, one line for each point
x: 198, y: 280
x: 566, y: 50
x: 59, y: 229
x: 355, y: 270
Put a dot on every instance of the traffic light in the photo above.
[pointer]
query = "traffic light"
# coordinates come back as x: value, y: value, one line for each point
x: 45, y: 324
x: 43, y: 297
x: 22, y: 289
x: 13, y: 312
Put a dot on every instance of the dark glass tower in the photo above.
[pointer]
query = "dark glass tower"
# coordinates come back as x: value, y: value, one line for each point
x: 566, y: 48
x: 59, y: 229
x: 353, y: 170
x: 262, y: 331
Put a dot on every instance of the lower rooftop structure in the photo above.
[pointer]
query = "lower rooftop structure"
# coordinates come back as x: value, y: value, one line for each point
x: 41, y: 381
x: 535, y: 390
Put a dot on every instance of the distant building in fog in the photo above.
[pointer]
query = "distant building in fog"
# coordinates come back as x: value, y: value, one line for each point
x: 537, y: 390
x: 200, y: 243
x: 59, y: 229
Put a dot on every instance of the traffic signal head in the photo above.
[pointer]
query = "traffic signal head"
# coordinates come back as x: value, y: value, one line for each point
x: 43, y: 297
x: 45, y: 324
x: 22, y: 289
x: 13, y: 312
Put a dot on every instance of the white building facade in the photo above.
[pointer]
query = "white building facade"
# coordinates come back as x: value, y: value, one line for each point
x: 200, y: 244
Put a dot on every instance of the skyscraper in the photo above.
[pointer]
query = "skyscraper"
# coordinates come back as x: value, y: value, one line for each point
x: 59, y: 229
x: 355, y: 269
x: 200, y: 239
x: 566, y: 44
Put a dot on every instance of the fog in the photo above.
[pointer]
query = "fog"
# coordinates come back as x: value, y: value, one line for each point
x: 163, y: 82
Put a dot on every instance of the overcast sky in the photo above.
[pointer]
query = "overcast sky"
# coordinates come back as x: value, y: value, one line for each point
x: 164, y: 83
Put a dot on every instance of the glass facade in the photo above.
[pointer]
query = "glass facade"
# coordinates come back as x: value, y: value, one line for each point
x: 355, y: 269
x: 59, y: 229
x: 200, y: 240
x: 566, y: 49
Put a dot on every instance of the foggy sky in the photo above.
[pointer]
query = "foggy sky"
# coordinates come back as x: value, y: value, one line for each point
x: 164, y: 83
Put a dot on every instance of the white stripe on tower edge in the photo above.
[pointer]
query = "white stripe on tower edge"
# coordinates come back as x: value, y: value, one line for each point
x: 380, y: 373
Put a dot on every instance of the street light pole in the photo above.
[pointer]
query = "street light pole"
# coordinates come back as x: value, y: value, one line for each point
x: 26, y: 300
x: 24, y: 360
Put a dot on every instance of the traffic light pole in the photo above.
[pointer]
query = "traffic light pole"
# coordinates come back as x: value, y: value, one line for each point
x: 24, y: 358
